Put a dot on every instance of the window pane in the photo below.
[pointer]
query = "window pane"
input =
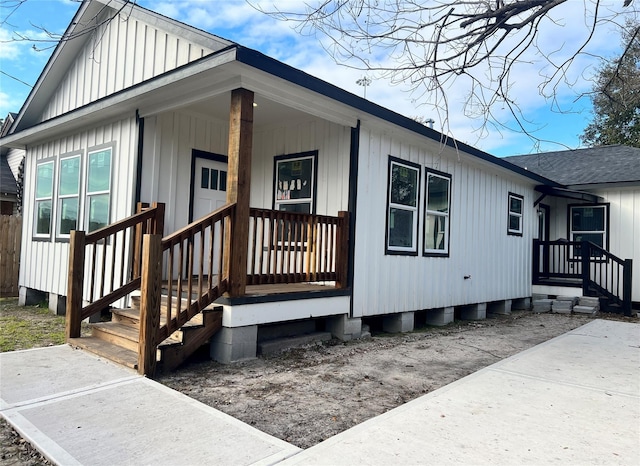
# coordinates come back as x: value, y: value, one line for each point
x: 587, y: 218
x: 68, y: 215
x: 214, y: 179
x: 515, y: 205
x: 435, y: 232
x: 294, y: 178
x: 400, y: 228
x: 44, y: 182
x: 404, y: 183
x: 514, y: 222
x: 204, y: 178
x: 69, y: 176
x: 301, y: 207
x: 99, y: 171
x: 438, y: 194
x: 223, y: 181
x: 43, y: 220
x: 98, y: 211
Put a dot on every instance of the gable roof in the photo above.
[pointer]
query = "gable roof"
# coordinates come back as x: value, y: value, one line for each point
x: 593, y: 165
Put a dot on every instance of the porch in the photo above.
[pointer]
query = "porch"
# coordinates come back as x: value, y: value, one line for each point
x: 587, y: 266
x: 237, y: 252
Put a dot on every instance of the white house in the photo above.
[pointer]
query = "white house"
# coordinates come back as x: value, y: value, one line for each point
x: 327, y: 208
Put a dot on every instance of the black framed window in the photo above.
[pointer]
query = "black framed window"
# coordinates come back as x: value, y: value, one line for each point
x: 515, y: 219
x: 295, y: 182
x: 437, y: 211
x: 589, y: 223
x: 402, y: 207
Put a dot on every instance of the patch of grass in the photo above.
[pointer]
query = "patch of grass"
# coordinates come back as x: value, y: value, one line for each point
x: 23, y: 327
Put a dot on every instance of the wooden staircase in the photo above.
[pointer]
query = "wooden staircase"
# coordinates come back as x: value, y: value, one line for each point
x: 119, y: 339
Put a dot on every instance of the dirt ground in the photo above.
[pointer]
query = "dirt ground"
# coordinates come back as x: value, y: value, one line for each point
x: 306, y: 395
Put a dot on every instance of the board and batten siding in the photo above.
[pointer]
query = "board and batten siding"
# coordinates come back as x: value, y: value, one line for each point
x: 624, y: 225
x: 498, y: 264
x: 170, y: 137
x: 44, y: 263
x: 119, y: 54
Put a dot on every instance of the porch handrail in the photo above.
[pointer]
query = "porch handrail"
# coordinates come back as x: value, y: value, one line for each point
x: 291, y: 247
x: 596, y: 268
x: 104, y: 290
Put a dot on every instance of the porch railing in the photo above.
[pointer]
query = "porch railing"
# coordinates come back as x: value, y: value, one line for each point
x: 288, y: 247
x: 584, y: 264
x: 112, y: 257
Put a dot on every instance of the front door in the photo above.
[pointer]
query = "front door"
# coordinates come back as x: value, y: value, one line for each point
x: 209, y: 194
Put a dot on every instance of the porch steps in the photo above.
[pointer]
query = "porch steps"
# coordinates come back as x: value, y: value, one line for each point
x: 566, y: 304
x: 118, y: 340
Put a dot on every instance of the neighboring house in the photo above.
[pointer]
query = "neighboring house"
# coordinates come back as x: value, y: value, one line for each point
x: 328, y: 209
x: 600, y: 202
x: 10, y: 161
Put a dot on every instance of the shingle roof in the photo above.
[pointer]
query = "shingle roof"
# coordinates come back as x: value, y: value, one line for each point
x: 604, y: 164
x: 7, y: 181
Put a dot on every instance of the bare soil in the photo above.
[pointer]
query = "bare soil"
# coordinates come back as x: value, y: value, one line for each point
x: 305, y: 395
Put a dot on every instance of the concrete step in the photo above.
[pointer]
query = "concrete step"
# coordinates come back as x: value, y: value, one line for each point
x: 591, y: 310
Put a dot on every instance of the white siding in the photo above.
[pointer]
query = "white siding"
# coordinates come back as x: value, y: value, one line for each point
x: 14, y: 157
x: 44, y: 264
x: 119, y: 54
x: 624, y: 225
x: 170, y: 138
x: 499, y: 264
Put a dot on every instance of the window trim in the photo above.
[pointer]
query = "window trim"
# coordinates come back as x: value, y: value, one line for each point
x: 510, y: 231
x: 313, y: 155
x: 605, y: 242
x: 59, y: 197
x: 436, y: 252
x: 397, y: 250
x: 34, y: 231
x: 88, y: 194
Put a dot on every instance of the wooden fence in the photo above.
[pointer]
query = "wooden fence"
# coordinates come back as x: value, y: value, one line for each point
x: 10, y: 232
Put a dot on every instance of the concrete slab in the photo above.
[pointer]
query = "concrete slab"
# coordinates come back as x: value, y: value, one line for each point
x: 572, y: 400
x: 105, y: 415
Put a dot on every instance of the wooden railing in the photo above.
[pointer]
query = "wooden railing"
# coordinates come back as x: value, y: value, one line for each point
x: 192, y: 262
x: 584, y: 264
x: 287, y: 247
x: 111, y: 261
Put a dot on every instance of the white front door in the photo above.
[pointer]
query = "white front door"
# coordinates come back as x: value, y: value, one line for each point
x: 209, y: 194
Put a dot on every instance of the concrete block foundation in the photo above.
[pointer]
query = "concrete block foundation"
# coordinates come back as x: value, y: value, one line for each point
x: 500, y: 307
x: 440, y: 317
x: 30, y: 297
x: 344, y: 328
x: 474, y: 312
x: 232, y: 344
x: 57, y: 304
x: 521, y: 304
x: 399, y: 323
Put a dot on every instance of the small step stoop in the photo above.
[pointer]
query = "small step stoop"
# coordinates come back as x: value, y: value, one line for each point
x: 542, y: 305
x: 564, y: 304
x: 118, y: 340
x: 587, y: 305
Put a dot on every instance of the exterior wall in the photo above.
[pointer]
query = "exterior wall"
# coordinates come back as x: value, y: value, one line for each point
x: 120, y: 53
x: 14, y: 157
x: 499, y: 265
x: 171, y: 136
x: 624, y: 225
x: 44, y: 263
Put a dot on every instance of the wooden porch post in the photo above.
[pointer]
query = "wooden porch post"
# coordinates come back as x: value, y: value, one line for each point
x: 238, y: 189
x: 75, y: 284
x: 150, y: 296
x: 342, y: 250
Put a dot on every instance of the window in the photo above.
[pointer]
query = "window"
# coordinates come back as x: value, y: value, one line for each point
x: 68, y: 194
x: 588, y: 223
x: 402, y: 207
x: 515, y: 214
x: 98, y: 189
x: 295, y: 179
x: 211, y: 178
x: 437, y: 204
x: 44, y: 198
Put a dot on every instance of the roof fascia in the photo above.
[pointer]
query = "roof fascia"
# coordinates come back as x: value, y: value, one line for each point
x: 274, y: 67
x: 607, y: 185
x: 569, y: 193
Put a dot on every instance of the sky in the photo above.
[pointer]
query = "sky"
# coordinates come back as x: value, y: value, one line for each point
x: 557, y: 119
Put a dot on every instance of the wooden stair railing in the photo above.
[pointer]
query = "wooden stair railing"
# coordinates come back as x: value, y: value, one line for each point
x: 596, y: 270
x: 113, y: 266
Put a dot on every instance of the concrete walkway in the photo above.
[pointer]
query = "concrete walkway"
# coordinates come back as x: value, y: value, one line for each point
x: 572, y: 400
